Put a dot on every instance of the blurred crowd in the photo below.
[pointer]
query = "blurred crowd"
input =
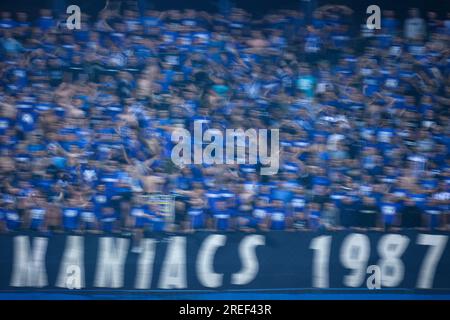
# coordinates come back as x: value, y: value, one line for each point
x: 86, y: 118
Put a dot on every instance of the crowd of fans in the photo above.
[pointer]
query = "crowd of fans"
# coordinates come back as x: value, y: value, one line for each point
x: 86, y: 120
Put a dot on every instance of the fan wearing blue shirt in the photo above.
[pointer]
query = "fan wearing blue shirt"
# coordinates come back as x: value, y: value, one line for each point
x: 100, y: 199
x: 213, y: 195
x: 389, y: 211
x: 418, y: 197
x: 37, y: 217
x: 6, y: 22
x: 221, y: 215
x: 45, y: 21
x: 196, y: 215
x: 108, y: 220
x: 314, y: 222
x: 88, y: 219
x: 11, y: 218
x: 298, y: 201
x: 158, y: 218
x: 278, y: 216
x: 140, y: 214
x: 259, y: 216
x: 140, y: 219
x: 433, y: 214
x: 70, y: 216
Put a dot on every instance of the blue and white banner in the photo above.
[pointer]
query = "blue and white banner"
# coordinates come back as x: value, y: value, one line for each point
x: 227, y: 261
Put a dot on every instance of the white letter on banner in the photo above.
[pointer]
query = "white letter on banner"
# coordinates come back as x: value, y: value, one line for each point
x: 29, y: 268
x: 173, y: 274
x: 145, y: 265
x: 73, y: 259
x: 205, y: 261
x: 249, y: 260
x: 111, y: 262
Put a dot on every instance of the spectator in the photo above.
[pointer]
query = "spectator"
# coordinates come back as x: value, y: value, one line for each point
x: 369, y: 215
x: 10, y: 45
x: 86, y: 119
x: 411, y: 215
x: 330, y: 216
x: 415, y: 28
x: 349, y: 212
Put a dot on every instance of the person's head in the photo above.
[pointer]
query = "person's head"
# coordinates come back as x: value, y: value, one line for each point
x: 190, y: 14
x: 369, y: 200
x: 409, y: 202
x: 277, y: 203
x: 221, y: 204
x: 329, y: 206
x: 347, y: 199
x: 314, y: 206
x: 317, y: 15
x: 414, y: 13
x: 7, y: 34
x: 426, y: 99
x: 431, y: 202
x: 108, y: 211
x: 388, y: 13
x: 9, y: 205
x: 5, y: 15
x: 431, y: 15
x: 22, y: 16
x: 45, y: 13
x: 261, y: 202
